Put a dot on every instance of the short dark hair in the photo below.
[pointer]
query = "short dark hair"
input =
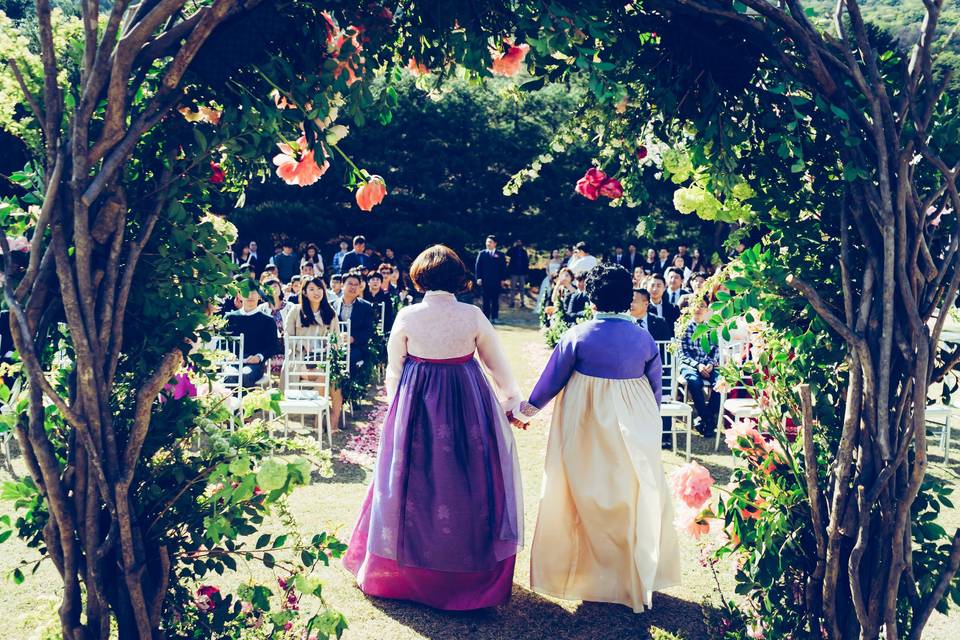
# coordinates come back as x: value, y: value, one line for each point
x: 270, y: 267
x: 643, y: 292
x: 439, y: 268
x: 286, y: 243
x: 359, y: 240
x: 374, y: 274
x: 581, y: 276
x: 337, y: 277
x: 353, y: 273
x: 582, y: 246
x: 676, y: 270
x: 610, y: 288
x: 492, y: 237
x: 659, y: 276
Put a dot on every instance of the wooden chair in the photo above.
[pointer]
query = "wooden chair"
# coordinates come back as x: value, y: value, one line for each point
x: 306, y: 382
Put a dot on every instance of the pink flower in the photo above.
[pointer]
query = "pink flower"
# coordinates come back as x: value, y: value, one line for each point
x: 183, y: 388
x: 417, y: 68
x: 206, y: 598
x: 372, y: 193
x: 298, y: 166
x: 508, y: 64
x: 691, y: 522
x: 743, y: 429
x: 691, y: 484
x: 217, y: 174
x: 611, y: 189
x: 18, y: 243
x: 641, y: 152
x: 755, y: 631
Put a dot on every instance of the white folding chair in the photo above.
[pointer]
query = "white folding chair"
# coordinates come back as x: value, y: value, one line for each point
x: 383, y: 319
x: 306, y: 382
x: 733, y: 409
x: 669, y: 406
x: 345, y: 341
x: 228, y: 366
x: 939, y: 416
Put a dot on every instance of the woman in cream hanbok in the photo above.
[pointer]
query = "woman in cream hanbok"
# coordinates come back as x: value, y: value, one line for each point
x: 604, y: 531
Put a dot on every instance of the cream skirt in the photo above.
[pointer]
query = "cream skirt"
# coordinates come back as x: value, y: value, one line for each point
x: 605, y: 528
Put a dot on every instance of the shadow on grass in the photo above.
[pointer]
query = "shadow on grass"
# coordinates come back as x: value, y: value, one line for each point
x: 530, y: 616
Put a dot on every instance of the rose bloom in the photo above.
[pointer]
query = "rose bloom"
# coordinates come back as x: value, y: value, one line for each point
x: 589, y: 185
x: 611, y: 188
x: 298, y: 167
x: 417, y: 68
x: 508, y: 64
x: 691, y: 484
x: 372, y: 193
x: 204, y: 599
x: 692, y: 523
x: 641, y: 152
x: 743, y: 429
x: 217, y: 174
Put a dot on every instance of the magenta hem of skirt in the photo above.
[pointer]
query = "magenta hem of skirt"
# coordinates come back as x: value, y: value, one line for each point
x: 445, y: 590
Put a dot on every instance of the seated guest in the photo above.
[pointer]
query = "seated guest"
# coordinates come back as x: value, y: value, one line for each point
x: 312, y: 255
x: 675, y: 289
x: 293, y: 290
x: 679, y: 265
x: 286, y: 262
x: 338, y: 256
x: 356, y: 258
x: 639, y: 275
x: 577, y: 302
x: 259, y: 331
x: 336, y: 287
x: 562, y: 288
x: 638, y: 309
x: 350, y: 306
x: 307, y: 271
x: 696, y: 281
x: 377, y: 296
x: 659, y: 305
x: 386, y: 272
x: 699, y: 369
x: 650, y: 262
x: 230, y: 303
x: 582, y: 260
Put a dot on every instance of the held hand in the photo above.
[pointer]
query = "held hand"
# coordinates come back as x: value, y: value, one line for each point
x: 515, y: 422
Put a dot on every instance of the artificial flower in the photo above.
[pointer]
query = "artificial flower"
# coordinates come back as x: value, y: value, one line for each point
x: 297, y: 166
x: 691, y: 484
x: 508, y: 64
x: 372, y: 193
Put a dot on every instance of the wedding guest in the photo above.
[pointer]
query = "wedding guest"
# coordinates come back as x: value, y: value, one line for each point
x: 633, y: 259
x: 312, y: 255
x: 336, y: 285
x: 338, y: 256
x: 650, y: 262
x: 357, y: 258
x: 563, y: 288
x: 683, y: 255
x: 518, y: 268
x: 286, y: 262
x: 256, y: 265
x: 275, y: 305
x: 663, y: 261
x: 554, y: 263
x: 576, y: 306
x: 604, y: 529
x: 293, y: 292
x: 639, y: 275
x: 658, y: 304
x: 582, y: 260
x: 259, y: 331
x: 243, y: 257
x: 697, y: 263
x: 307, y: 272
x: 697, y: 281
x: 380, y: 299
x: 619, y: 258
x: 350, y: 306
x: 316, y: 317
x: 675, y: 290
x: 657, y: 326
x: 698, y: 368
x: 490, y: 270
x: 442, y: 521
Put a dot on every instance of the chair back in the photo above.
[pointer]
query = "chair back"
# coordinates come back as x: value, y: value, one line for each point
x: 228, y: 359
x: 306, y: 367
x: 383, y: 318
x: 669, y: 362
x: 345, y: 340
x: 733, y: 353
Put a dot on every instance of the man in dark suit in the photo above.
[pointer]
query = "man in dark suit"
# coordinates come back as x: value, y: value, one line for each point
x: 255, y: 261
x: 632, y: 258
x: 657, y: 326
x: 659, y: 306
x: 356, y: 259
x: 619, y: 258
x: 682, y: 252
x: 519, y: 267
x: 576, y: 306
x: 490, y: 269
x: 663, y: 262
x: 350, y: 306
x: 259, y: 331
x: 675, y: 290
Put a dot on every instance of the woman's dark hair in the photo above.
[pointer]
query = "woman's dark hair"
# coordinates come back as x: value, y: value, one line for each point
x: 610, y: 288
x: 439, y: 268
x: 316, y: 253
x: 307, y: 317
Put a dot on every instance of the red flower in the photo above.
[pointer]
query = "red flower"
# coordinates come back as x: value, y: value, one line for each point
x: 611, y: 188
x: 641, y: 152
x: 508, y: 64
x: 372, y: 193
x: 217, y: 175
x: 595, y: 183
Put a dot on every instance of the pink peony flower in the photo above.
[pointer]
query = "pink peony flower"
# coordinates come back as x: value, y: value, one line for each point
x: 743, y: 429
x: 691, y: 522
x: 372, y: 193
x: 206, y: 597
x: 691, y: 484
x: 298, y: 166
x: 508, y: 64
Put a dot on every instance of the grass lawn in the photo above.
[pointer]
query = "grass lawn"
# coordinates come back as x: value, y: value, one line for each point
x: 29, y: 610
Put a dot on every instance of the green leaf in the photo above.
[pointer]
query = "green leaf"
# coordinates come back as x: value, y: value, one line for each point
x: 272, y: 474
x: 200, y: 138
x: 263, y: 541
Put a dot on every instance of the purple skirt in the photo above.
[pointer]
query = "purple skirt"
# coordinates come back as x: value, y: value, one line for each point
x: 442, y: 520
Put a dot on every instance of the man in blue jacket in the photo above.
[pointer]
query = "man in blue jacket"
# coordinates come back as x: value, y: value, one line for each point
x: 490, y: 270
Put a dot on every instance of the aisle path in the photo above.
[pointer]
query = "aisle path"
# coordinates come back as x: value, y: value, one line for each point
x: 528, y: 615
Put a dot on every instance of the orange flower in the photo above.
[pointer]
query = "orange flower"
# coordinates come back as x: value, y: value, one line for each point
x: 372, y: 193
x: 297, y: 166
x: 417, y: 68
x: 508, y: 64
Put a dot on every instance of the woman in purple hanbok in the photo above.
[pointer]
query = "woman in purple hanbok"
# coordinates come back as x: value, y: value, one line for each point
x: 443, y: 519
x: 605, y: 527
